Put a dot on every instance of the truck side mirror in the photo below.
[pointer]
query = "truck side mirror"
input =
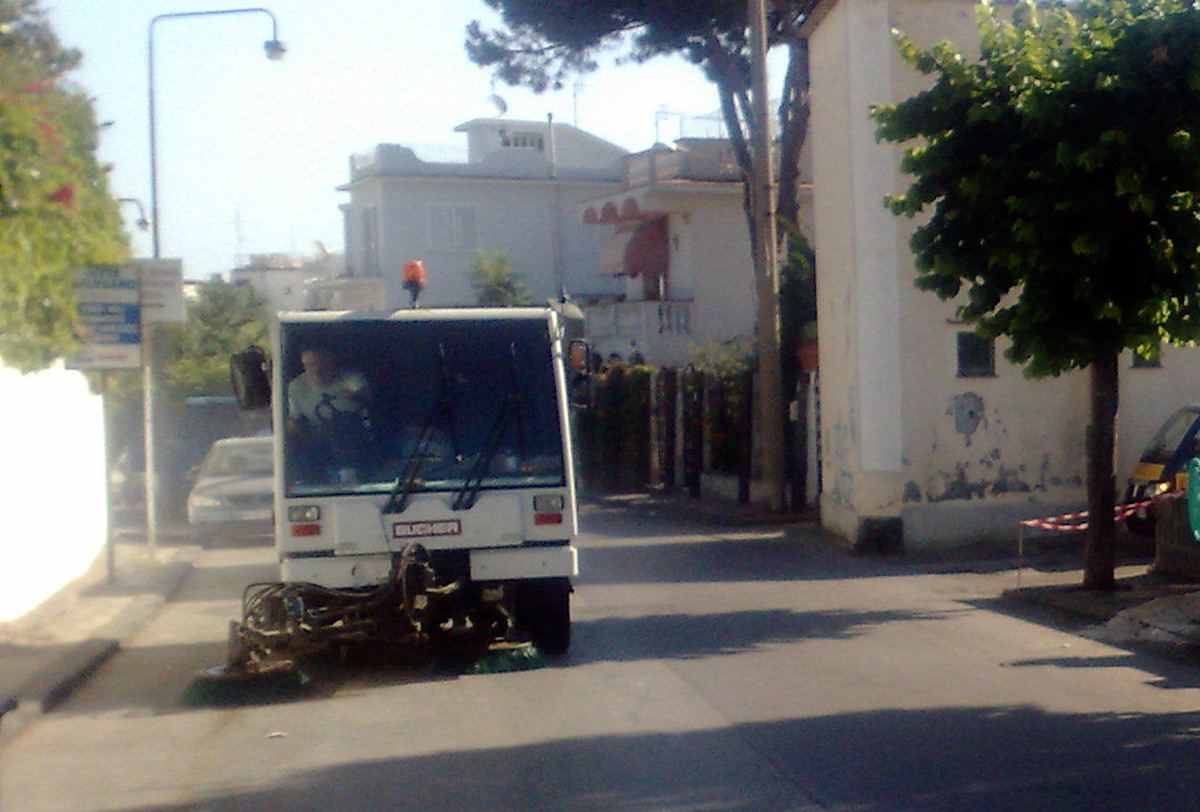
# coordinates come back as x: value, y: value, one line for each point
x: 249, y: 375
x: 579, y: 374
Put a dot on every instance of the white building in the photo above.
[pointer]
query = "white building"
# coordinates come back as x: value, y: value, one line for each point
x: 517, y: 192
x: 928, y: 434
x: 678, y: 240
x: 284, y: 280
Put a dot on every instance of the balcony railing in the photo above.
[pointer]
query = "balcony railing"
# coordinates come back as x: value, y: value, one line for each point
x: 640, y: 320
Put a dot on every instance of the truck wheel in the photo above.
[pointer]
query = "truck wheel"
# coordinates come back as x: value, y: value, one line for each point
x: 544, y: 611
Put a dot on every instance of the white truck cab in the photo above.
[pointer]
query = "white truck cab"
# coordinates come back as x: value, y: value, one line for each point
x: 424, y: 478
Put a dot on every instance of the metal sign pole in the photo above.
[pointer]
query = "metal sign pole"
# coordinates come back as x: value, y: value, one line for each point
x: 148, y: 423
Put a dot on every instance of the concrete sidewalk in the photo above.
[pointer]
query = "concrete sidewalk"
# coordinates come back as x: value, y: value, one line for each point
x: 52, y: 649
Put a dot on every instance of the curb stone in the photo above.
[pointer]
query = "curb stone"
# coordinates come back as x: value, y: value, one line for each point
x: 68, y: 666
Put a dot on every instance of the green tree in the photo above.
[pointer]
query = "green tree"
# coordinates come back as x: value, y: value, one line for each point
x: 56, y: 213
x: 222, y: 319
x: 541, y: 43
x: 495, y: 282
x: 1062, y: 184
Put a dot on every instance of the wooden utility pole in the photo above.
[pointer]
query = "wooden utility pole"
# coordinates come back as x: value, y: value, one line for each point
x: 766, y: 268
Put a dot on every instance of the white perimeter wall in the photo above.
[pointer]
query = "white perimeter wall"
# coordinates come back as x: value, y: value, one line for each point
x: 52, y: 485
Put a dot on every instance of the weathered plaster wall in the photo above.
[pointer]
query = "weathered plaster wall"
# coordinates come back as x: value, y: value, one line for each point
x: 836, y: 289
x: 903, y: 435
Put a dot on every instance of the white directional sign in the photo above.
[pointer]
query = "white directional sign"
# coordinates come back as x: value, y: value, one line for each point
x: 109, y: 308
x: 162, y: 290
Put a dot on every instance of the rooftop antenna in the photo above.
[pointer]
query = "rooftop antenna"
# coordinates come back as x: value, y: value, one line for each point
x: 661, y: 115
x: 241, y: 257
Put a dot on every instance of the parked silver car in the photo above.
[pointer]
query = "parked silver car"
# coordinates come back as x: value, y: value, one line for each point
x: 234, y: 491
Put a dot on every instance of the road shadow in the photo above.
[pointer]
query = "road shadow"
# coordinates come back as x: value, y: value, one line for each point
x: 655, y: 637
x: 720, y: 559
x: 960, y: 759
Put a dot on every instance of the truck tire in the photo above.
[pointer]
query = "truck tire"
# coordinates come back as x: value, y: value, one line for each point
x: 544, y: 611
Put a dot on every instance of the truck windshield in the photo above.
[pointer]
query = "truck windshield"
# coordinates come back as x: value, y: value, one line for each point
x: 365, y: 398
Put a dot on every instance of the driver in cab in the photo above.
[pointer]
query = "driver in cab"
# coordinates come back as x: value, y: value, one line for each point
x: 328, y: 416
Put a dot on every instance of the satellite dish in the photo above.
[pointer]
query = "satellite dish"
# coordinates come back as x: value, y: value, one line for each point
x: 499, y: 104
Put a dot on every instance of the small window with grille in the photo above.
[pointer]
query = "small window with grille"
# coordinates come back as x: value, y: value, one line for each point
x: 976, y: 356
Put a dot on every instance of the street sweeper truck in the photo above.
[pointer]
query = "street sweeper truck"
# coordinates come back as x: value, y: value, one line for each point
x: 424, y: 488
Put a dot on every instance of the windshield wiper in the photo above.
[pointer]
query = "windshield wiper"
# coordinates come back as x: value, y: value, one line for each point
x: 511, y: 410
x: 442, y: 411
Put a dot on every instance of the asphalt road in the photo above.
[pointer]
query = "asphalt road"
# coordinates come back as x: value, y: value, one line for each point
x: 713, y: 669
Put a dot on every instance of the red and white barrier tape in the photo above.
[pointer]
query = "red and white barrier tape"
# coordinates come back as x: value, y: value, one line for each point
x: 1071, y: 521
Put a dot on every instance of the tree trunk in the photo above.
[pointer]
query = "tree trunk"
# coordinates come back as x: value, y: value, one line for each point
x: 793, y: 130
x: 1099, y: 553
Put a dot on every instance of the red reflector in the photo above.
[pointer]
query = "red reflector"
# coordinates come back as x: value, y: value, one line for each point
x: 306, y: 530
x: 547, y: 518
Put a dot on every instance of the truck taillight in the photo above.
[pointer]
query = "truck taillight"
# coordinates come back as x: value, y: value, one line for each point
x: 548, y: 508
x: 305, y: 520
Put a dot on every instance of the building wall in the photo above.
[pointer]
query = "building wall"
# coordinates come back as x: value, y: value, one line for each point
x: 504, y: 198
x: 527, y: 218
x: 283, y: 288
x: 711, y: 264
x: 52, y: 485
x: 903, y: 436
x: 572, y: 147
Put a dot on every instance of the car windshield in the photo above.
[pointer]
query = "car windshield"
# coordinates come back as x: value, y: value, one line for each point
x: 1166, y: 442
x: 241, y: 459
x: 379, y: 406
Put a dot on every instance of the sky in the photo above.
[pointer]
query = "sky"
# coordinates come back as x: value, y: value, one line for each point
x: 251, y: 151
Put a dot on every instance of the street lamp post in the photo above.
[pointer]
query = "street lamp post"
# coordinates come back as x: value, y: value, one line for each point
x: 275, y: 50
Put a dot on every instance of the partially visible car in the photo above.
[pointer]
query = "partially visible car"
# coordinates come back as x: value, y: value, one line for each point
x: 1163, y: 466
x: 234, y: 491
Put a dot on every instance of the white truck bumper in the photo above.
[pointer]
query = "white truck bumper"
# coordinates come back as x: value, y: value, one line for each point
x: 523, y: 562
x: 488, y: 564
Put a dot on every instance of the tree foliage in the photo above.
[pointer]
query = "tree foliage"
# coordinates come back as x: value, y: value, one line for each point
x: 56, y: 213
x: 222, y: 319
x: 1060, y: 177
x: 541, y: 43
x: 495, y: 282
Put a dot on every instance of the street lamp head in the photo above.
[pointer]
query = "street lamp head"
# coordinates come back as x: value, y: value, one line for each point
x: 275, y: 49
x: 142, y: 222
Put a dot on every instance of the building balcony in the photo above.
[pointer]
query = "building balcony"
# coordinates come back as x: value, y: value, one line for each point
x: 661, y: 329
